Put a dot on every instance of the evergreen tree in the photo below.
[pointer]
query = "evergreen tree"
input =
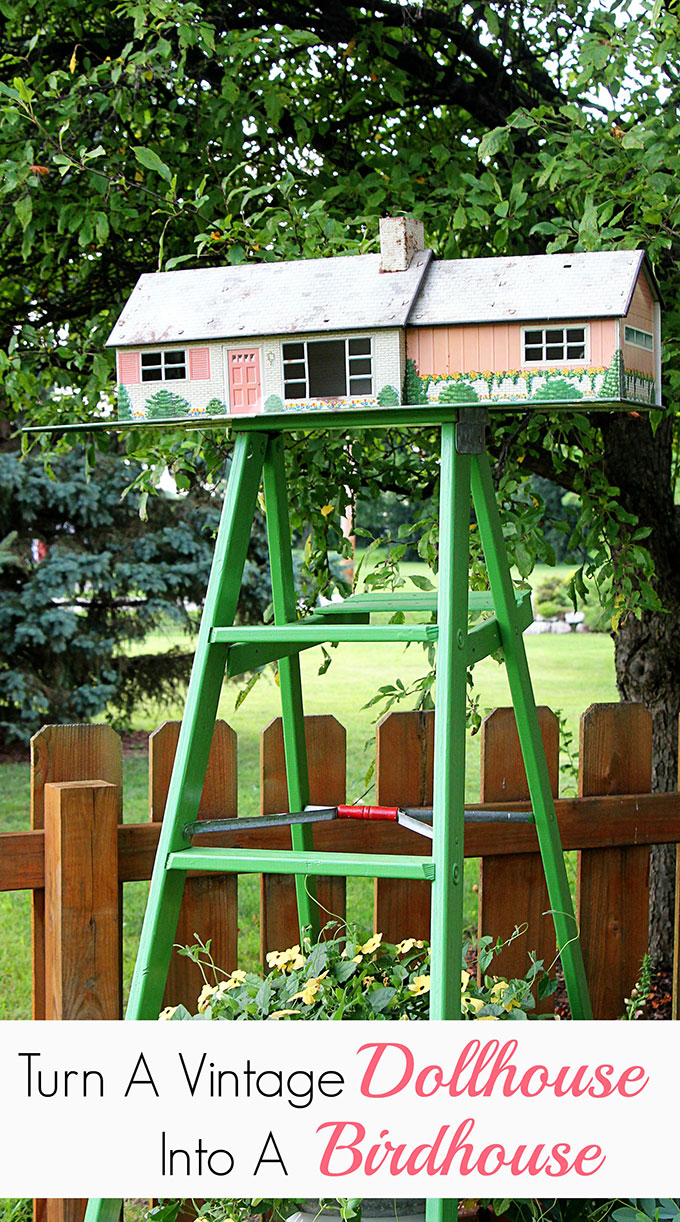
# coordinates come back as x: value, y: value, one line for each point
x: 83, y: 579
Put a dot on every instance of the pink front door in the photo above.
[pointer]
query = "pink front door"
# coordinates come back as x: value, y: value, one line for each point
x: 244, y: 381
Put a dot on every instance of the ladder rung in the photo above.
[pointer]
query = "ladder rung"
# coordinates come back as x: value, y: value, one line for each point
x: 318, y: 634
x: 296, y: 861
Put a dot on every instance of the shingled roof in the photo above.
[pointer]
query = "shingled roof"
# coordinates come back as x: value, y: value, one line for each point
x: 306, y: 295
x: 596, y: 284
x: 350, y: 293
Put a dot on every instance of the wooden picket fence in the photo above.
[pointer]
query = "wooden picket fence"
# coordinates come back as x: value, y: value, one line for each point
x: 79, y: 852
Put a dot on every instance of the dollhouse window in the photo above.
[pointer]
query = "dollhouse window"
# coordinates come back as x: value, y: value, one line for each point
x: 328, y: 368
x: 640, y: 339
x: 554, y: 345
x: 169, y: 366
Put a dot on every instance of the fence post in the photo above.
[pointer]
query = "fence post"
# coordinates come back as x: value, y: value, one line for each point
x: 404, y: 771
x: 210, y: 902
x: 512, y: 889
x: 55, y: 1209
x: 613, y: 883
x: 66, y: 753
x: 82, y: 925
x: 326, y: 755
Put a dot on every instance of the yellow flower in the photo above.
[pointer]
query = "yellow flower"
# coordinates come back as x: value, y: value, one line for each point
x: 483, y: 1018
x: 234, y: 980
x: 208, y: 991
x: 372, y: 944
x: 282, y: 1013
x: 166, y: 1014
x: 473, y: 1003
x: 287, y: 960
x: 404, y: 947
x: 368, y: 980
x: 419, y: 985
x: 310, y: 990
x: 464, y: 980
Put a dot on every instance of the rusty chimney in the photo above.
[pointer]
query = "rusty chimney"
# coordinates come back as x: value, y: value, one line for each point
x: 401, y: 237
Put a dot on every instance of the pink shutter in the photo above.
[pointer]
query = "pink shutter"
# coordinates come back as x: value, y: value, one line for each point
x: 199, y: 364
x: 128, y: 368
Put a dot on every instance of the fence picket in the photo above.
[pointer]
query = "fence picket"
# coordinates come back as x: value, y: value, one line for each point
x: 82, y: 926
x: 404, y: 768
x: 326, y: 754
x: 512, y: 890
x: 65, y: 753
x: 210, y: 902
x: 613, y: 884
x: 55, y: 1209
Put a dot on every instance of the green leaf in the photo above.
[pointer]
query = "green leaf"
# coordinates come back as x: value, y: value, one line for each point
x: 491, y: 142
x: 151, y: 161
x: 24, y: 210
x: 524, y: 560
x: 421, y: 582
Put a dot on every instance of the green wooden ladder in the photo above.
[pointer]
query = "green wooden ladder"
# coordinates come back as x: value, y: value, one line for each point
x: 224, y: 649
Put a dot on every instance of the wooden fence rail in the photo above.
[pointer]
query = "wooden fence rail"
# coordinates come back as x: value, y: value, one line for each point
x: 79, y: 853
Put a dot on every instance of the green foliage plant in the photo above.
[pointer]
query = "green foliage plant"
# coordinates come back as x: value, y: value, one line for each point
x: 344, y: 977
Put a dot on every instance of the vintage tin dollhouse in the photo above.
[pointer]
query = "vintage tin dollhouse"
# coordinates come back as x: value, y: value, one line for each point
x: 384, y: 329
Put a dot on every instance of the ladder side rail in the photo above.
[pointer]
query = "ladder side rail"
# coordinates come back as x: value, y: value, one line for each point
x: 449, y: 748
x: 519, y: 679
x: 290, y: 681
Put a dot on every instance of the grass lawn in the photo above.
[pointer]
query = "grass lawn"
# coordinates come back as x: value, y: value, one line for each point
x: 569, y: 673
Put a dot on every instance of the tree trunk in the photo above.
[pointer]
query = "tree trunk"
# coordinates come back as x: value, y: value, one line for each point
x: 647, y: 651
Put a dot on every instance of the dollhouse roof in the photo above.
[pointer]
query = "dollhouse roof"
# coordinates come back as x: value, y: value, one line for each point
x: 597, y: 284
x: 287, y: 298
x: 350, y: 293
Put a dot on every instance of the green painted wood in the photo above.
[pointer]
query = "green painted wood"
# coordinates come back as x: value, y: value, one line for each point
x: 193, y: 748
x: 319, y: 634
x: 384, y: 601
x: 292, y: 713
x: 519, y: 679
x: 302, y: 862
x: 482, y: 640
x: 103, y: 1209
x: 242, y: 658
x: 443, y: 1209
x: 449, y: 730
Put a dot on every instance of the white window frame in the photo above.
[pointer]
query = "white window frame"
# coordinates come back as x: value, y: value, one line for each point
x: 163, y: 352
x: 343, y: 339
x: 547, y: 362
x: 638, y: 331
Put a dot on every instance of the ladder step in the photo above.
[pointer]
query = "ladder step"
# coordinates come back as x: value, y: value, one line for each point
x: 307, y: 634
x: 295, y: 861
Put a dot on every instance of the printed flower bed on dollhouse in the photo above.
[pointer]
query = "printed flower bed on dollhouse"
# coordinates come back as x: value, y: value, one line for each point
x: 547, y: 383
x: 341, y: 977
